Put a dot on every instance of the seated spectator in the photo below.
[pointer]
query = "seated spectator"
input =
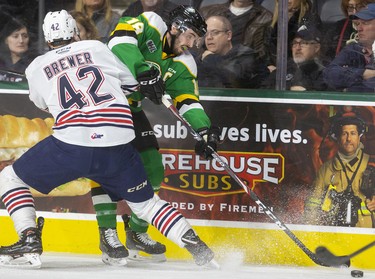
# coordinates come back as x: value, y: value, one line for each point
x: 101, y: 14
x: 86, y: 27
x: 305, y: 69
x: 161, y: 7
x: 342, y: 32
x: 15, y: 49
x: 140, y: 6
x: 250, y: 22
x: 300, y: 12
x: 223, y: 64
x: 353, y: 68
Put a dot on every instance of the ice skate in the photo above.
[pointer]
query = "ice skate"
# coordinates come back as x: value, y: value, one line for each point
x: 26, y: 252
x: 141, y: 246
x: 113, y: 252
x: 202, y: 255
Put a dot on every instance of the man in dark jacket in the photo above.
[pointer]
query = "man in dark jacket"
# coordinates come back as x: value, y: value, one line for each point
x: 225, y: 65
x: 305, y: 69
x: 250, y: 22
x: 353, y: 69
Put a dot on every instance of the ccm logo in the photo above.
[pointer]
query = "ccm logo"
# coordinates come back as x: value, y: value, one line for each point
x: 150, y: 81
x: 147, y: 133
x: 138, y: 187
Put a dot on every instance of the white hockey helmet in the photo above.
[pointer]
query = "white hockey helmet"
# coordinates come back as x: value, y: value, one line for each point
x: 59, y: 26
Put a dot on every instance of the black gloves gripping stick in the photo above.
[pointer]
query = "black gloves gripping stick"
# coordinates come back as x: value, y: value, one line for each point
x: 151, y: 85
x: 208, y: 144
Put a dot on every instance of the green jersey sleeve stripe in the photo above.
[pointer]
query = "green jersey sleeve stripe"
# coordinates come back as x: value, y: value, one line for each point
x: 123, y: 33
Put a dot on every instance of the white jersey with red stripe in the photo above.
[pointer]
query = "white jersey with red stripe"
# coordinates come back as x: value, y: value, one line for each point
x: 83, y: 85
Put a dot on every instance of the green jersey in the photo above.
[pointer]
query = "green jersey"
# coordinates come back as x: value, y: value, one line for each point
x: 138, y: 42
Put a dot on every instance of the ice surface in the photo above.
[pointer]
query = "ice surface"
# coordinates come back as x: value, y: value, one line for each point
x: 72, y: 266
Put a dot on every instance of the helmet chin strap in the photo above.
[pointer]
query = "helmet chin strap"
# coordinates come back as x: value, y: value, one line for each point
x: 168, y: 48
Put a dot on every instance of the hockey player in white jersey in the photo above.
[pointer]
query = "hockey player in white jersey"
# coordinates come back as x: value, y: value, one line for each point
x: 83, y: 85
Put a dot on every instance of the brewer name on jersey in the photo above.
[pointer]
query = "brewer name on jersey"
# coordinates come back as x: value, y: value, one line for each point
x: 67, y: 62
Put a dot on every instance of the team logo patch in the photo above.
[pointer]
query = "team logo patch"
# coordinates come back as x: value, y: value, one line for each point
x: 96, y: 136
x: 151, y: 46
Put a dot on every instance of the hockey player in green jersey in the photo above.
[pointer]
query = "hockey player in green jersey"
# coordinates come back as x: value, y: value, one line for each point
x: 157, y: 54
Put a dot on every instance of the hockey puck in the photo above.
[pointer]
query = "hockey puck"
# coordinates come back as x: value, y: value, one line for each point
x: 357, y: 273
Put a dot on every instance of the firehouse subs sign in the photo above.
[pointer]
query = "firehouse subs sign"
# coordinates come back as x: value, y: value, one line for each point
x: 275, y: 144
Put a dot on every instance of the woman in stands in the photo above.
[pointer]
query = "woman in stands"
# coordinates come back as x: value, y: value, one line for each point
x: 15, y: 50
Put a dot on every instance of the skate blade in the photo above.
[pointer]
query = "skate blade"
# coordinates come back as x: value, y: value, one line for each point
x: 135, y: 255
x: 31, y: 260
x: 113, y: 261
x: 213, y: 264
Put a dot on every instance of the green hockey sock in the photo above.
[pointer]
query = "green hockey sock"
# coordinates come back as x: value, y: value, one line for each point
x: 106, y: 210
x: 138, y: 225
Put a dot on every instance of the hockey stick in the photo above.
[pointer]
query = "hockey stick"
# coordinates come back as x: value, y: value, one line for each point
x: 10, y: 76
x: 247, y: 189
x: 326, y: 256
x: 8, y: 72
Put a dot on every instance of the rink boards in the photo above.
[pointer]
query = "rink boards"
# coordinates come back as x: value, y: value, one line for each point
x: 251, y: 243
x: 269, y: 138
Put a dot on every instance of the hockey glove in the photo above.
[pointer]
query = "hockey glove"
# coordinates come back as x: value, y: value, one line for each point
x: 208, y: 144
x: 151, y: 85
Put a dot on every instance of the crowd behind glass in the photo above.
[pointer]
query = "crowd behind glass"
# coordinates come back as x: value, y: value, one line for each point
x: 240, y: 47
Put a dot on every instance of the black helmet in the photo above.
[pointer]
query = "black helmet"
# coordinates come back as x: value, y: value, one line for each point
x: 186, y: 17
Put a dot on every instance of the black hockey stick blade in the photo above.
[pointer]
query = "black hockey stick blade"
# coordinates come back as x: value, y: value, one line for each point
x: 246, y: 188
x: 325, y: 256
x: 329, y: 258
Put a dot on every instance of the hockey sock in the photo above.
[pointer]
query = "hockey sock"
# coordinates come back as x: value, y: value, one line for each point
x: 17, y: 199
x: 105, y: 209
x: 152, y: 161
x: 137, y: 225
x: 163, y: 217
x: 20, y: 205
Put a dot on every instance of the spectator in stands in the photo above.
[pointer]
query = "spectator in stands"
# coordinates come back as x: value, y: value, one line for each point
x: 15, y: 48
x: 342, y: 32
x: 161, y: 7
x: 101, y: 13
x: 250, y: 22
x: 300, y: 13
x: 353, y: 68
x: 305, y: 69
x: 86, y: 27
x: 140, y: 6
x: 223, y: 64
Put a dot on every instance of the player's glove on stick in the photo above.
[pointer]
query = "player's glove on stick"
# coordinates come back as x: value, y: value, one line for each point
x: 151, y: 85
x: 208, y: 144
